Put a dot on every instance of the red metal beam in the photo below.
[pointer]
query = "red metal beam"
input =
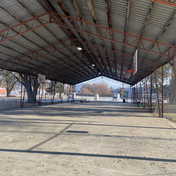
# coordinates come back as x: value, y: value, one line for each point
x: 68, y: 17
x: 116, y: 59
x: 113, y: 30
x: 166, y: 2
x: 21, y: 28
x: 55, y: 62
x: 114, y: 51
x: 126, y: 44
x: 36, y: 54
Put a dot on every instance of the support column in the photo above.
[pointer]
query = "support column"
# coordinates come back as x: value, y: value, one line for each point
x: 162, y: 91
x: 54, y: 92
x: 151, y: 92
x: 157, y: 95
x: 147, y: 95
x: 22, y: 96
x: 174, y: 68
x: 141, y: 95
x: 144, y: 95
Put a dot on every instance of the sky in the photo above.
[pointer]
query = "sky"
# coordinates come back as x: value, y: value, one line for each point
x: 101, y: 79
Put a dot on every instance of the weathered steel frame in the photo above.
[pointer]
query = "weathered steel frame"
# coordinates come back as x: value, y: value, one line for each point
x: 22, y: 29
x: 160, y: 100
x: 174, y: 69
x: 53, y: 20
x: 146, y: 83
x: 166, y: 2
x: 151, y: 92
x: 22, y: 95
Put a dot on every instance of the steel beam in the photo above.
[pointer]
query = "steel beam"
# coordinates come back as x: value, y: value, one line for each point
x: 166, y: 2
x: 174, y: 68
x: 79, y: 30
x: 114, y: 51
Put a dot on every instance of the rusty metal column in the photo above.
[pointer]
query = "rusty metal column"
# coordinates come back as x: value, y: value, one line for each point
x: 54, y: 92
x: 130, y: 94
x: 162, y: 108
x: 144, y: 95
x: 136, y: 93
x: 147, y: 94
x: 21, y: 96
x: 157, y: 95
x: 174, y: 68
x: 140, y: 94
x: 151, y: 92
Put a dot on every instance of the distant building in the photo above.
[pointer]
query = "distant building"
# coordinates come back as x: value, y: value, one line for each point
x: 2, y: 91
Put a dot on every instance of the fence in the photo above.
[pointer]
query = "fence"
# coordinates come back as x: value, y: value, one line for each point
x: 157, y: 93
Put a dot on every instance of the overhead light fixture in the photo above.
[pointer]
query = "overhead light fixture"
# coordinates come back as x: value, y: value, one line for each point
x: 79, y: 48
x: 93, y: 65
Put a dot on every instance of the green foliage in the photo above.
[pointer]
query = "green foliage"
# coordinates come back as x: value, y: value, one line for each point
x: 55, y: 87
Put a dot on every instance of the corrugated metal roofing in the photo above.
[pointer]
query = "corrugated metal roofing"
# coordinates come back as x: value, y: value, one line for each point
x: 109, y: 34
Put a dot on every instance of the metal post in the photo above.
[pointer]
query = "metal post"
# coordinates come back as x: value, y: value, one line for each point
x: 45, y: 93
x: 147, y: 94
x: 21, y: 96
x: 162, y: 108
x: 141, y: 95
x: 42, y: 93
x: 39, y: 96
x: 136, y: 93
x: 151, y: 91
x: 157, y: 96
x: 144, y: 95
x: 54, y: 91
x: 174, y: 68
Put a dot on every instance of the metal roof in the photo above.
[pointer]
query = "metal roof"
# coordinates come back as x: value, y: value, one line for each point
x: 42, y: 36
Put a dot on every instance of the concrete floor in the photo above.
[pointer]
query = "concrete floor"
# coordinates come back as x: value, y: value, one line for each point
x: 98, y: 139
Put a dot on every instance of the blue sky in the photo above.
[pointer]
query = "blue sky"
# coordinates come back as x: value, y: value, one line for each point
x: 101, y: 79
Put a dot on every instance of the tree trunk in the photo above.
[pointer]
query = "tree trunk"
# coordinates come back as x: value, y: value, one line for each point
x: 32, y: 91
x: 31, y: 85
x: 8, y: 92
x: 31, y: 96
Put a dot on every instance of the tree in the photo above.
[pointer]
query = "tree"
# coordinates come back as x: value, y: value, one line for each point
x: 7, y: 81
x: 31, y: 84
x: 67, y: 89
x: 55, y: 87
x: 93, y: 89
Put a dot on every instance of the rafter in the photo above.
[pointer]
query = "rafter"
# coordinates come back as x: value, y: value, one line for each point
x: 172, y: 18
x: 166, y: 2
x: 114, y: 51
x: 28, y: 10
x: 65, y: 11
x: 78, y: 30
x: 125, y: 31
x: 108, y: 12
x: 91, y: 9
x: 79, y: 14
x: 141, y: 33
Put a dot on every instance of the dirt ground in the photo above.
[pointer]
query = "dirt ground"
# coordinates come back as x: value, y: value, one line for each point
x: 97, y: 139
x: 12, y: 102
